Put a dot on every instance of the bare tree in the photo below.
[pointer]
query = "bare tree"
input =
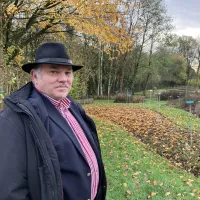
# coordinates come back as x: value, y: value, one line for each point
x: 188, y: 48
x: 155, y: 22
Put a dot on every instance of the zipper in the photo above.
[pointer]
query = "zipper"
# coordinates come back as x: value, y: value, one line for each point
x: 24, y: 108
x: 27, y: 111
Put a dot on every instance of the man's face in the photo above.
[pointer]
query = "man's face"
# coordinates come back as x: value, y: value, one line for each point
x: 54, y: 80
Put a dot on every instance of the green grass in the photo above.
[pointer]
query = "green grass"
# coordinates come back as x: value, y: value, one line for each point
x: 155, y: 91
x: 135, y: 173
x: 178, y: 116
x: 103, y: 102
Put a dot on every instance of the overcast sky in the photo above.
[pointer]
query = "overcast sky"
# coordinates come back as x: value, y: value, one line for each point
x: 185, y: 15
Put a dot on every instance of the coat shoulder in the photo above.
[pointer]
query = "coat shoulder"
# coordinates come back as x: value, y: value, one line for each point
x: 10, y: 118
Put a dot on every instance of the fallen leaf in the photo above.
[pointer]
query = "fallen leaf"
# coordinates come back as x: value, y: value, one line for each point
x: 167, y: 194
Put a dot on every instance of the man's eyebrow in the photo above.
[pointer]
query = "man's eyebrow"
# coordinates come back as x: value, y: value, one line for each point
x: 54, y: 66
x: 69, y: 68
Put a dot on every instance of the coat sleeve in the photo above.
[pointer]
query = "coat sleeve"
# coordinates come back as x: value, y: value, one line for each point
x: 13, y: 181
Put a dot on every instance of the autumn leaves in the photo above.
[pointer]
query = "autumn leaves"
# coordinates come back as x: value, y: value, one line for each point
x: 135, y: 173
x: 157, y: 132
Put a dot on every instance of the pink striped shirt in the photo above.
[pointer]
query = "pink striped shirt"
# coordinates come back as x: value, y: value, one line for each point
x: 62, y: 106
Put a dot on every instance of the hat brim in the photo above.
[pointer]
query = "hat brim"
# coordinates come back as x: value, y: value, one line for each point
x: 29, y: 66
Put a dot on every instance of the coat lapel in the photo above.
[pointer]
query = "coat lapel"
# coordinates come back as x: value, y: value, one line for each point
x: 61, y: 122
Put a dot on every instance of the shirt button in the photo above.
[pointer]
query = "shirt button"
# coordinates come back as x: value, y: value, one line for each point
x: 88, y: 174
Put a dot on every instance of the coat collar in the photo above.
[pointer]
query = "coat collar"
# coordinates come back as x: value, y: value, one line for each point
x: 69, y: 104
x: 55, y: 116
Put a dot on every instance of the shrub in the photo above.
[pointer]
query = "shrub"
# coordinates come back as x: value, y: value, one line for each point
x: 194, y: 82
x: 121, y: 98
x: 138, y: 99
x: 172, y: 94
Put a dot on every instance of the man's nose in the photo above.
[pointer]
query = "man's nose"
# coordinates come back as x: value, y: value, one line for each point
x: 62, y: 77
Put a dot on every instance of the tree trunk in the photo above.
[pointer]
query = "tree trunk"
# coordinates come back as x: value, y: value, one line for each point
x: 138, y: 58
x: 146, y: 83
x: 123, y: 66
x: 110, y: 79
x: 149, y: 64
x: 198, y: 62
x: 188, y: 70
x: 121, y: 79
x: 100, y: 76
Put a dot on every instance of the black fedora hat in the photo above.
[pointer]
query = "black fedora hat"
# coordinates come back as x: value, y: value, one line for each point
x: 51, y: 53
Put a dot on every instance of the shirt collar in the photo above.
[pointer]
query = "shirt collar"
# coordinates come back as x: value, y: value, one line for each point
x: 63, y: 102
x: 57, y: 103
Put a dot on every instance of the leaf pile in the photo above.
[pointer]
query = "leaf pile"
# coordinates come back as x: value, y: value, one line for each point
x: 180, y: 146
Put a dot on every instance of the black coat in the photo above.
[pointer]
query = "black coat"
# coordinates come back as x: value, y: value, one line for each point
x: 30, y: 167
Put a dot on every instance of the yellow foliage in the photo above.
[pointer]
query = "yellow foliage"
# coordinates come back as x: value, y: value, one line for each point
x: 106, y: 20
x: 18, y: 59
x: 11, y: 49
x: 11, y: 9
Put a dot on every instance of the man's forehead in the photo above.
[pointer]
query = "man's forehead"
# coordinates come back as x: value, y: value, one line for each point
x: 54, y: 66
x: 60, y: 66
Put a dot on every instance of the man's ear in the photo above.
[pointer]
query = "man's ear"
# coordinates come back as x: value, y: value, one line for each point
x: 33, y: 76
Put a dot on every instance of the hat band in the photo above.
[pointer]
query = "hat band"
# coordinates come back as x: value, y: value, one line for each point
x: 54, y: 60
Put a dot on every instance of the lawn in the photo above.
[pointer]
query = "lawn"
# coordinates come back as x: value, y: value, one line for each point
x: 135, y: 173
x: 134, y: 169
x: 180, y: 117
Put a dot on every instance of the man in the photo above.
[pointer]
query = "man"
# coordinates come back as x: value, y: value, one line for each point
x: 49, y: 149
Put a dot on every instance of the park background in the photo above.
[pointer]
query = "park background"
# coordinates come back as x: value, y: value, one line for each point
x: 142, y: 78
